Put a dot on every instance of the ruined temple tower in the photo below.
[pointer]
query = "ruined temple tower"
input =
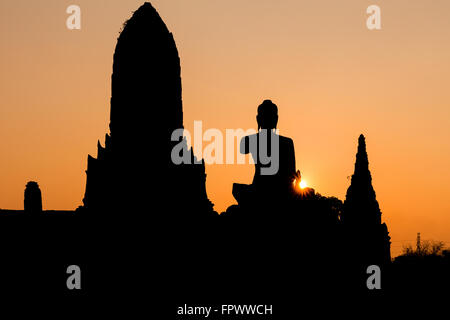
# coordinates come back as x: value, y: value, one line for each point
x: 361, y: 217
x: 33, y: 198
x: 133, y: 172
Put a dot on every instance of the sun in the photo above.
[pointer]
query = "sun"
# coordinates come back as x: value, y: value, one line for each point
x: 303, y: 184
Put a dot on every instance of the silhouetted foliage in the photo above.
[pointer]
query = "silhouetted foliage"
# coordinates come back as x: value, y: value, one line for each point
x: 426, y: 248
x: 422, y: 269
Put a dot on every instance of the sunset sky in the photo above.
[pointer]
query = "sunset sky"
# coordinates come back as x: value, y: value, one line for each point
x: 330, y: 76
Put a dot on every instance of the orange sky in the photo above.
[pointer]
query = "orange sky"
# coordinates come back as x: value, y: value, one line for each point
x: 331, y: 78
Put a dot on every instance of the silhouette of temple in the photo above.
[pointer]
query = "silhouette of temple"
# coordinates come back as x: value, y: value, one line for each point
x: 275, y: 235
x: 134, y: 168
x: 361, y: 216
x: 32, y: 202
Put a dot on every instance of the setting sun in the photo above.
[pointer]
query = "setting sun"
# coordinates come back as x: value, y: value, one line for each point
x: 302, y: 184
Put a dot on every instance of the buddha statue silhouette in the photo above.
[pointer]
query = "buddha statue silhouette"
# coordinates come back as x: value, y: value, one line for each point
x: 274, y: 159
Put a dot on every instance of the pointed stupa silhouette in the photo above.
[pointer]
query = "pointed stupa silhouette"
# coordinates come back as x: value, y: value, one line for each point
x: 361, y: 196
x: 362, y: 215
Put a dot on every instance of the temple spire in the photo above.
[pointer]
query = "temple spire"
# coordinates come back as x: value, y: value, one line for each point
x: 362, y: 175
x: 361, y: 216
x: 361, y: 200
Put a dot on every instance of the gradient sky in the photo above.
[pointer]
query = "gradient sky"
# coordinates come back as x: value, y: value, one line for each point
x: 331, y: 78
